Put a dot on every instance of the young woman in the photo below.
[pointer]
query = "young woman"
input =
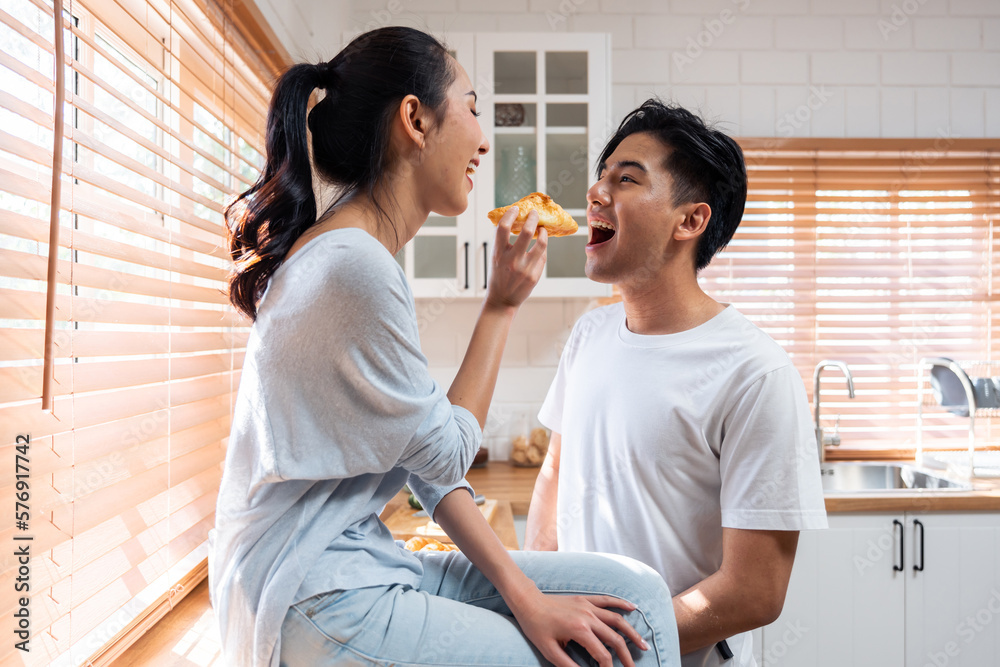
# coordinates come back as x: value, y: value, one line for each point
x: 336, y: 409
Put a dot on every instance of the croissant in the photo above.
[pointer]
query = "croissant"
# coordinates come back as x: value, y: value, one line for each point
x: 420, y: 543
x: 551, y: 215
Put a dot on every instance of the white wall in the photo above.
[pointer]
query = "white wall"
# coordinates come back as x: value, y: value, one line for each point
x: 830, y: 68
x: 309, y: 29
x: 869, y: 68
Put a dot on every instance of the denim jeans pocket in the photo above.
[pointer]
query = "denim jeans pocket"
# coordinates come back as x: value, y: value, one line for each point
x: 311, y: 606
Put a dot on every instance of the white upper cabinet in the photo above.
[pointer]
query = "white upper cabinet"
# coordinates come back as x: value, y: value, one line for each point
x: 545, y: 105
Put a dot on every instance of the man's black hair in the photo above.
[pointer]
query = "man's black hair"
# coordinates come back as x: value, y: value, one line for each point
x: 705, y: 164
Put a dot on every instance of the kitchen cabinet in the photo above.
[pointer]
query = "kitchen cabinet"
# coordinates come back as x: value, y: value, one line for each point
x: 545, y: 105
x: 892, y: 589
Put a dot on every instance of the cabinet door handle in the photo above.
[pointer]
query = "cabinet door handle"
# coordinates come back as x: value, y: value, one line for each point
x: 917, y: 523
x: 466, y: 265
x: 902, y: 533
x: 486, y: 265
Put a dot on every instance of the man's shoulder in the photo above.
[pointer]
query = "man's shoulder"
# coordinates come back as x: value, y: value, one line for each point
x: 755, y: 345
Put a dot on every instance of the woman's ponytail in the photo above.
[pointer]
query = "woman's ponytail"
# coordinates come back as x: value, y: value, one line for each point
x: 266, y: 220
x: 351, y: 128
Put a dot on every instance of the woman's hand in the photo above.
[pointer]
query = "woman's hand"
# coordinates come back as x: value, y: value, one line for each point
x: 516, y: 269
x: 552, y: 621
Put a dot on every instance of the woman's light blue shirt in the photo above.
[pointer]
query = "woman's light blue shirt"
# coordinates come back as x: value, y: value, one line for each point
x: 335, y: 411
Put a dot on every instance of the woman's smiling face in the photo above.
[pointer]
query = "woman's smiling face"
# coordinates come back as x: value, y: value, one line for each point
x: 453, y: 150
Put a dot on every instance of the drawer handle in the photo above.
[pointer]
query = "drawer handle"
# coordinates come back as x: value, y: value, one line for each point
x: 486, y: 264
x: 902, y: 533
x: 917, y: 523
x: 466, y: 265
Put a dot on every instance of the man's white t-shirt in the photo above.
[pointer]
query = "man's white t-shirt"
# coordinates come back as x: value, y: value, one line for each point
x: 667, y: 439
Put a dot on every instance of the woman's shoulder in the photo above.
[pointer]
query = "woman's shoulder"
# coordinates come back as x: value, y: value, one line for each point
x: 348, y: 256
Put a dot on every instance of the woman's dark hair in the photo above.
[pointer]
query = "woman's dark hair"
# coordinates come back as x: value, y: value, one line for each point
x: 705, y: 164
x: 350, y: 128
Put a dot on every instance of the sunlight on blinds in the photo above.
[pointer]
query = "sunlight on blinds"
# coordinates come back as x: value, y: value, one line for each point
x: 875, y: 253
x: 163, y: 115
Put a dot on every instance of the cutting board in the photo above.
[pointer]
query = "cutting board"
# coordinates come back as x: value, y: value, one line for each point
x: 404, y: 525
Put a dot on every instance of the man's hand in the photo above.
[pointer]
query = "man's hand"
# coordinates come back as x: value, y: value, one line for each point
x: 747, y: 592
x: 540, y: 533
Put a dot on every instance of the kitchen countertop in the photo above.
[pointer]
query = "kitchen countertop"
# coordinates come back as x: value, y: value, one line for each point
x: 502, y: 522
x: 499, y: 479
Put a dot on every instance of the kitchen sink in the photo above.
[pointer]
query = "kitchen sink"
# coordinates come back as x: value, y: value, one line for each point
x: 864, y: 477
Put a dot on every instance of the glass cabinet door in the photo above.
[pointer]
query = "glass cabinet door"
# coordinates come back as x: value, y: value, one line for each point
x: 548, y: 120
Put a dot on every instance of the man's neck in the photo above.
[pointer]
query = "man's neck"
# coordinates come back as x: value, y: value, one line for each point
x: 667, y: 304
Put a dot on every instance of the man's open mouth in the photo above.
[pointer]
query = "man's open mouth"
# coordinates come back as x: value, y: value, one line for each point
x: 600, y: 232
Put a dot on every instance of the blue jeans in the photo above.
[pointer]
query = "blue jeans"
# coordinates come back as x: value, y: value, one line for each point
x: 457, y: 618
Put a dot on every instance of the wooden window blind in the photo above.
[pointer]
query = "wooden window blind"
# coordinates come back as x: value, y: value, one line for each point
x: 165, y: 103
x: 874, y: 252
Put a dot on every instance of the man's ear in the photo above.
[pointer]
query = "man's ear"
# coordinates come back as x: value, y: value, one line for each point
x: 415, y: 120
x: 695, y: 222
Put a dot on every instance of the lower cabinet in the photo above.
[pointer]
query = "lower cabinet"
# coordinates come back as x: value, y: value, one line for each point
x: 887, y: 590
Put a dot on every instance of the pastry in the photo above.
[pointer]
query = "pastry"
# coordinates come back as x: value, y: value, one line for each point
x: 428, y: 544
x: 551, y: 215
x: 530, y: 450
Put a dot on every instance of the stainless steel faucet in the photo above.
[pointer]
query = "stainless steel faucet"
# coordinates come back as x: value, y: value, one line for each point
x: 850, y: 392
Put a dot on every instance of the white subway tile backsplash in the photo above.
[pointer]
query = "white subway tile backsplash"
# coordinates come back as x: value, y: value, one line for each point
x: 852, y: 7
x: 809, y: 33
x: 634, y: 6
x: 565, y: 7
x: 689, y: 97
x: 774, y: 7
x: 747, y: 32
x: 706, y: 8
x: 933, y: 112
x: 544, y: 348
x: 519, y: 385
x: 877, y: 34
x: 757, y: 117
x: 620, y: 27
x: 424, y: 6
x: 667, y: 32
x: 443, y: 24
x: 968, y: 112
x: 898, y: 112
x: 991, y: 34
x: 914, y: 68
x: 796, y: 106
x: 862, y: 111
x: 540, y: 23
x: 705, y: 68
x: 539, y: 315
x: 623, y: 100
x: 946, y: 34
x: 641, y: 66
x: 910, y: 8
x: 975, y: 69
x: 974, y: 7
x: 993, y: 112
x: 722, y: 107
x: 441, y: 349
x: 829, y: 118
x: 515, y: 353
x: 493, y: 7
x: 845, y: 67
x: 774, y: 67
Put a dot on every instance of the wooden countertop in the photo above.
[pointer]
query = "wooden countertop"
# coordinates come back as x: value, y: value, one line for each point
x: 500, y: 479
x: 502, y: 522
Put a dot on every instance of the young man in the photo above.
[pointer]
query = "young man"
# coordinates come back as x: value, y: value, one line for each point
x: 680, y: 431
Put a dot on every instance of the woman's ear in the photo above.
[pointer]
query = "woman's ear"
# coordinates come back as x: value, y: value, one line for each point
x: 414, y: 120
x: 694, y: 223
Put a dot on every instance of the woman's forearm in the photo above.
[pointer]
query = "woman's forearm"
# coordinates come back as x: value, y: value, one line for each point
x: 477, y: 377
x: 461, y: 519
